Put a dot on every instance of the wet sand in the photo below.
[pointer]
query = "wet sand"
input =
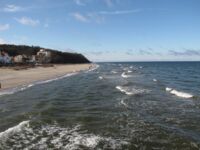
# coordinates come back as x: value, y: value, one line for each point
x: 10, y: 78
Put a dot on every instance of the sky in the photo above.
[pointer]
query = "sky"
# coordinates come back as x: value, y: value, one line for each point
x: 106, y: 30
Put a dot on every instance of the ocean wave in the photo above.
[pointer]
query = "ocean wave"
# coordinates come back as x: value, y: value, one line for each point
x: 130, y: 91
x: 123, y: 90
x: 13, y: 130
x: 123, y: 103
x: 124, y: 75
x: 55, y: 79
x: 129, y: 71
x: 52, y: 136
x: 93, y: 68
x: 179, y: 93
x: 15, y: 90
x: 6, y: 92
x: 114, y: 72
x: 155, y: 80
x: 125, y: 69
x: 100, y: 77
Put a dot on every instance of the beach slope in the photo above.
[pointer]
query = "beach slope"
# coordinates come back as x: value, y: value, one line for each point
x: 11, y: 78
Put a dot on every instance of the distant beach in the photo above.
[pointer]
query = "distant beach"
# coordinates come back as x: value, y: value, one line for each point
x: 11, y: 78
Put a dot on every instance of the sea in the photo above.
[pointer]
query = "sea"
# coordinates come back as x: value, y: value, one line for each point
x: 114, y: 106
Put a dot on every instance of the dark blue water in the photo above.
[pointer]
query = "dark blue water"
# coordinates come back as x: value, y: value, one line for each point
x: 117, y: 106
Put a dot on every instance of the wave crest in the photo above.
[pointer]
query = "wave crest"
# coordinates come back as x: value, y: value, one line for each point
x: 179, y: 93
x: 130, y: 91
x: 52, y: 136
x: 124, y: 75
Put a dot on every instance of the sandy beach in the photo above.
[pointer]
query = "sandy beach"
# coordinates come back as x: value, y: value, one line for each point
x: 10, y: 78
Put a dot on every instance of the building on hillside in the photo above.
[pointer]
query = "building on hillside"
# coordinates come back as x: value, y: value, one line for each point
x: 32, y: 59
x: 5, y: 58
x: 18, y: 59
x: 43, y: 56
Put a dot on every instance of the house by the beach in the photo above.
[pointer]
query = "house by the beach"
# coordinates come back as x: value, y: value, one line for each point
x: 43, y: 56
x: 32, y: 59
x: 5, y: 58
x: 24, y: 59
x: 18, y: 59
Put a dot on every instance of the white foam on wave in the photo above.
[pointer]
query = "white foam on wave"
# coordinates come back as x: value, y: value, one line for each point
x: 114, y: 72
x: 6, y: 92
x: 55, y: 79
x: 123, y: 90
x: 168, y: 89
x: 178, y: 93
x: 93, y: 68
x: 123, y: 103
x: 124, y: 75
x: 129, y: 71
x: 155, y: 80
x: 15, y: 90
x: 13, y: 130
x: 130, y: 90
x: 46, y: 136
x: 100, y: 77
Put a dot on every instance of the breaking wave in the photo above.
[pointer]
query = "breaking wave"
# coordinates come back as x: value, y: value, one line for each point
x: 130, y: 91
x: 15, y: 90
x: 24, y: 136
x: 11, y: 131
x: 155, y: 80
x: 123, y: 103
x: 54, y: 79
x: 94, y: 67
x: 100, y: 77
x: 114, y: 72
x: 124, y: 75
x: 178, y: 93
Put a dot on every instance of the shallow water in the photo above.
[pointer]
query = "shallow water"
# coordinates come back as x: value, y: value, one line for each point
x: 116, y: 106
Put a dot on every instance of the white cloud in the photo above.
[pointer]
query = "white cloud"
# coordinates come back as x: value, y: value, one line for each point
x: 99, y: 17
x: 89, y: 17
x: 120, y: 12
x: 2, y: 41
x: 12, y: 8
x: 80, y: 17
x: 4, y: 27
x: 28, y: 21
x: 109, y: 2
x: 79, y: 2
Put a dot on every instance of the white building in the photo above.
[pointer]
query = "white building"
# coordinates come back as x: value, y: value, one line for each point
x: 43, y: 56
x: 5, y: 58
x: 18, y: 59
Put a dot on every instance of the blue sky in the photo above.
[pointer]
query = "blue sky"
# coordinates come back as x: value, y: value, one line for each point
x: 106, y: 30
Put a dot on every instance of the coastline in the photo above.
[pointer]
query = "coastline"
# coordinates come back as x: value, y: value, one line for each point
x: 10, y: 78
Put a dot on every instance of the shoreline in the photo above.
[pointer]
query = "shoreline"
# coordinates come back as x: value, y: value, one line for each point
x: 11, y: 79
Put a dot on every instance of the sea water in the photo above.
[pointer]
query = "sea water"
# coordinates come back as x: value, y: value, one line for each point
x: 150, y: 105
